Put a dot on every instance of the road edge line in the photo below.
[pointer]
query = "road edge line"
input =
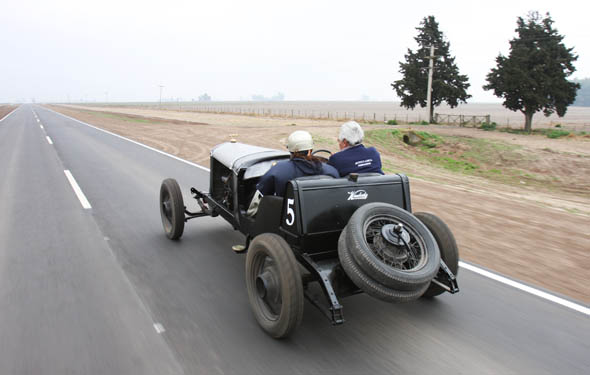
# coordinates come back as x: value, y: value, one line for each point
x: 470, y: 267
x: 525, y: 288
x: 81, y: 197
x: 9, y: 113
x: 132, y: 141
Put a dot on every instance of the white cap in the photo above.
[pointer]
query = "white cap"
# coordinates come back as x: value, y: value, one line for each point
x: 352, y: 132
x: 299, y: 140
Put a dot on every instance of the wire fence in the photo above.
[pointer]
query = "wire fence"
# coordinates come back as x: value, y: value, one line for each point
x: 282, y: 111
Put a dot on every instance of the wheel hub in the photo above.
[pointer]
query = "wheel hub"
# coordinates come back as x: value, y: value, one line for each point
x: 395, y: 234
x: 167, y: 208
x: 267, y: 286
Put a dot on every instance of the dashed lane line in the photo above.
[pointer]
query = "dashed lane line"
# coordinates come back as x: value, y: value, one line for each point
x: 81, y: 197
x: 49, y: 140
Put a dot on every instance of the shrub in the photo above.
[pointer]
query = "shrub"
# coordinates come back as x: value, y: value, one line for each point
x: 557, y: 133
x: 558, y: 125
x: 391, y: 122
x: 488, y: 126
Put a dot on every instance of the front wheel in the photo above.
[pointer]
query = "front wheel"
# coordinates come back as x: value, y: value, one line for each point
x: 274, y: 285
x: 172, y: 208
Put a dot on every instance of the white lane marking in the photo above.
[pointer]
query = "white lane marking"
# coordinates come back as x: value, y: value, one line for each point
x: 159, y: 328
x: 467, y: 266
x: 38, y: 120
x: 49, y: 140
x: 41, y: 126
x: 526, y: 288
x: 77, y: 190
x: 132, y: 141
x: 10, y: 113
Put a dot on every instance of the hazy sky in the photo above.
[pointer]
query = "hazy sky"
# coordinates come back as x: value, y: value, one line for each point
x: 309, y: 50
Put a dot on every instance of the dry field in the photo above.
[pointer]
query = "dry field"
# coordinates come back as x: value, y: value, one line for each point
x: 576, y: 118
x: 524, y: 211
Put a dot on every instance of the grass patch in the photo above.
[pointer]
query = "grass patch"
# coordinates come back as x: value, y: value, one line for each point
x: 454, y: 165
x: 488, y: 126
x: 557, y: 133
x: 391, y: 122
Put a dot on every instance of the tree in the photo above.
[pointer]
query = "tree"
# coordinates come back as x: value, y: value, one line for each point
x: 534, y: 75
x: 447, y: 85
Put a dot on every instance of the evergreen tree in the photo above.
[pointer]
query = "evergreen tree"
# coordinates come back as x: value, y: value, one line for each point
x: 447, y: 84
x: 534, y: 75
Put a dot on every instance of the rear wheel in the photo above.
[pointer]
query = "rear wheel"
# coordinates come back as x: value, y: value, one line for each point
x: 274, y: 285
x: 172, y: 208
x: 449, y: 252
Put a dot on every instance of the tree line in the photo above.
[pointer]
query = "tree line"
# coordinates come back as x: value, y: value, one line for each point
x: 532, y: 78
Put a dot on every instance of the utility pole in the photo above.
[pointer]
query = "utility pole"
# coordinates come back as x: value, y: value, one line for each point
x: 429, y: 91
x: 161, y: 87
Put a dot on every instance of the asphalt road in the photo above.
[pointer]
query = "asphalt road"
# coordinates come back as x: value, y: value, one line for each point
x: 81, y: 289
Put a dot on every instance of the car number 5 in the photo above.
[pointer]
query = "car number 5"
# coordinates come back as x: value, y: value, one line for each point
x: 290, y: 213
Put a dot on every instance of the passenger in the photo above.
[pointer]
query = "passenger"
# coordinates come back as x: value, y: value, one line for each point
x: 302, y: 163
x: 353, y: 156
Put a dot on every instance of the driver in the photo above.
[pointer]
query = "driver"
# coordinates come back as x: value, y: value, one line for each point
x: 353, y: 156
x: 302, y: 163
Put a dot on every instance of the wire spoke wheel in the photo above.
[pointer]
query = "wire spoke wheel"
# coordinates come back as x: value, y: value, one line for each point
x: 405, y: 251
x: 391, y: 246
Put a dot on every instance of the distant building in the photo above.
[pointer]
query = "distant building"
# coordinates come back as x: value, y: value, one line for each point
x: 204, y: 98
x: 275, y: 98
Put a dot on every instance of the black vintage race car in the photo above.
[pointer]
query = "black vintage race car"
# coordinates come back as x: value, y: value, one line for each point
x: 326, y: 239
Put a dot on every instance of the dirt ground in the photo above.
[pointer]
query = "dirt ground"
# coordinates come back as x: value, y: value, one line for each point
x: 528, y: 233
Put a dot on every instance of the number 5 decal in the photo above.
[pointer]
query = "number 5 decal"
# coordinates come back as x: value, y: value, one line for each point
x: 290, y: 213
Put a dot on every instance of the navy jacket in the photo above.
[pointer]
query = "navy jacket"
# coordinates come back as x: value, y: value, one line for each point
x: 275, y: 180
x: 356, y: 159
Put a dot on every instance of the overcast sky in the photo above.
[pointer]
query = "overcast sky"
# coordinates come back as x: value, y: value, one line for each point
x: 309, y: 50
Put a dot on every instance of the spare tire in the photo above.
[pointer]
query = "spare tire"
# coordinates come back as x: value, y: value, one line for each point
x: 392, y: 246
x: 449, y: 252
x: 370, y: 286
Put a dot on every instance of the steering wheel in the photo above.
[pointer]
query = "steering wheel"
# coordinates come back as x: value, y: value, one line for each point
x: 322, y: 158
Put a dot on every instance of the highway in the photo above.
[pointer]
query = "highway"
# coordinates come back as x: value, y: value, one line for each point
x: 96, y: 287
